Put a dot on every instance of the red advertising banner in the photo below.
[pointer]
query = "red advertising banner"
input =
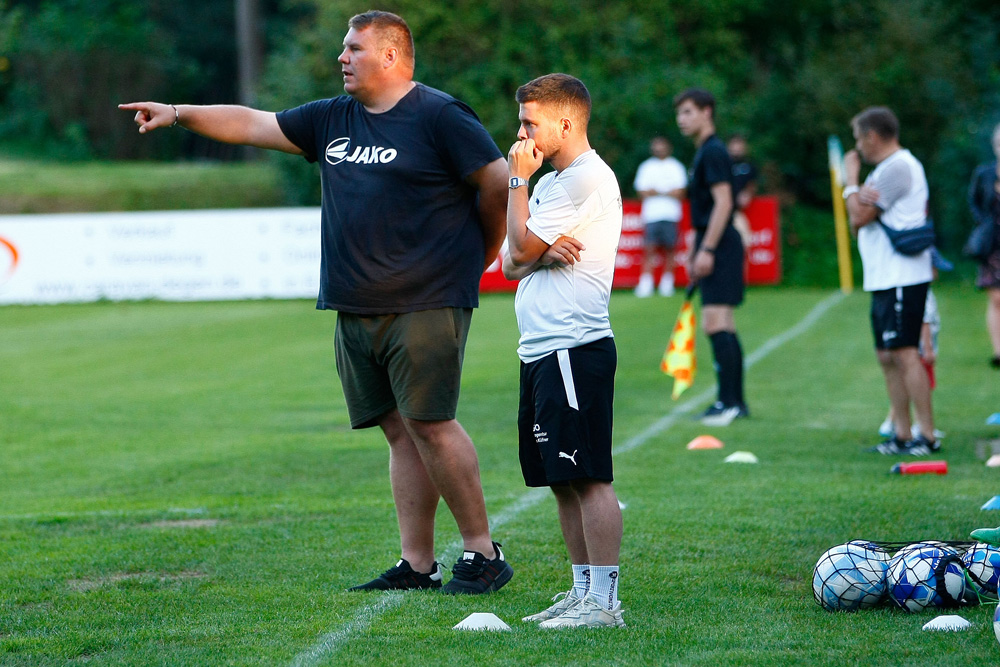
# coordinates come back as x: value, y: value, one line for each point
x: 763, y: 257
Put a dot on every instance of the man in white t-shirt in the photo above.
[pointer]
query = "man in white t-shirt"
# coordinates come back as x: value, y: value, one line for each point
x: 561, y: 244
x: 895, y: 193
x: 660, y: 182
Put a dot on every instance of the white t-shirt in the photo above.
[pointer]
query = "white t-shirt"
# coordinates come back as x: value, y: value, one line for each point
x: 561, y: 307
x: 902, y: 188
x: 662, y: 176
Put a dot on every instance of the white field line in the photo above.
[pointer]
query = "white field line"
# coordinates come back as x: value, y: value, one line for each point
x: 330, y: 643
x: 751, y: 359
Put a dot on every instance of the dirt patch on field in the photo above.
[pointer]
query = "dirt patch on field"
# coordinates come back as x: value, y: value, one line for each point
x: 93, y: 583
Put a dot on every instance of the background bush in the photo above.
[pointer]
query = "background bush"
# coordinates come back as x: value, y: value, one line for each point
x: 787, y: 74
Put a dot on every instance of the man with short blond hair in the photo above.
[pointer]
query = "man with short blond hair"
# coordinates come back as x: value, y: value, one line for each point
x: 414, y: 203
x: 561, y: 245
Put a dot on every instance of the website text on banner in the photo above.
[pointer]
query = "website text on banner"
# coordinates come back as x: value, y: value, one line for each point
x: 763, y: 257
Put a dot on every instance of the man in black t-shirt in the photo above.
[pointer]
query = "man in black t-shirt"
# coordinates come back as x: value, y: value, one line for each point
x: 414, y: 209
x: 717, y: 255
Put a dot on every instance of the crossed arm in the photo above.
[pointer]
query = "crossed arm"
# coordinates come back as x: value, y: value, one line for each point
x: 861, y: 209
x: 526, y: 252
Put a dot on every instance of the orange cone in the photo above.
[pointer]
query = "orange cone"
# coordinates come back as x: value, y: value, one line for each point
x: 705, y: 442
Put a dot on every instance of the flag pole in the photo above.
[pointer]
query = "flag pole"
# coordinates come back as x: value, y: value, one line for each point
x: 836, y: 154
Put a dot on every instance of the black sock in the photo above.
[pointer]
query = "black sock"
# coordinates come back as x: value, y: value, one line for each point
x: 739, y: 369
x: 728, y: 366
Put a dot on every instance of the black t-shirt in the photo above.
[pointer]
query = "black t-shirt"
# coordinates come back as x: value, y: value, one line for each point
x: 744, y: 172
x: 400, y: 226
x: 711, y: 165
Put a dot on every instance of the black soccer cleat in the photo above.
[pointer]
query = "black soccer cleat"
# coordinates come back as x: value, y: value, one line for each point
x: 473, y: 574
x: 402, y: 577
x: 921, y: 446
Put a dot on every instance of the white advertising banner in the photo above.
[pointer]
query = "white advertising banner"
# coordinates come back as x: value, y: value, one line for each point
x: 168, y: 255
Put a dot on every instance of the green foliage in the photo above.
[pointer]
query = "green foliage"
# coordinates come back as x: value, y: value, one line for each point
x: 180, y: 485
x: 787, y: 74
x: 72, y: 62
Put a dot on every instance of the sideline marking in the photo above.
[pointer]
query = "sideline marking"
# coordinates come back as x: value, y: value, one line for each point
x: 329, y: 643
x: 751, y: 359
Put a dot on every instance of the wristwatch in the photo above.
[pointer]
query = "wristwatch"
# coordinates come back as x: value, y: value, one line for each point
x: 516, y: 182
x: 850, y: 190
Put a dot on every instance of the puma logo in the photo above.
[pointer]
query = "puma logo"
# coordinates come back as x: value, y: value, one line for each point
x: 564, y: 455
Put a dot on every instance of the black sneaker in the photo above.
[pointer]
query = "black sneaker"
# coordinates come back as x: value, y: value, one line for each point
x: 891, y: 447
x: 473, y: 574
x: 720, y: 414
x: 402, y: 577
x: 714, y: 409
x: 921, y: 446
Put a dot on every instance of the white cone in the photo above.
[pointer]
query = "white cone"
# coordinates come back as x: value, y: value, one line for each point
x: 946, y: 623
x: 482, y: 621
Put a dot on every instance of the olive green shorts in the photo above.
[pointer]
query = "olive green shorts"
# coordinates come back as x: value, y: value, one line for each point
x: 409, y: 361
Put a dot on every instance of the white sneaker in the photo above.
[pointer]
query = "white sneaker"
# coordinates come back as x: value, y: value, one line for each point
x: 666, y: 288
x: 587, y: 613
x: 568, y: 599
x: 645, y: 287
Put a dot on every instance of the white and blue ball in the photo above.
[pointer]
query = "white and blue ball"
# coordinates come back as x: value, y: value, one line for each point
x: 996, y: 623
x: 872, y: 550
x: 913, y: 580
x: 849, y: 577
x: 983, y: 563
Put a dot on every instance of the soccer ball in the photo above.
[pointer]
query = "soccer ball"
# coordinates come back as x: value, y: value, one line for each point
x: 849, y: 577
x: 917, y: 546
x: 996, y: 623
x: 872, y: 550
x: 914, y: 579
x: 983, y: 563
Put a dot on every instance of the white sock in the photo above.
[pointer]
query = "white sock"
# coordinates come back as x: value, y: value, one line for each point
x: 667, y: 280
x: 604, y: 585
x: 646, y: 280
x: 581, y: 579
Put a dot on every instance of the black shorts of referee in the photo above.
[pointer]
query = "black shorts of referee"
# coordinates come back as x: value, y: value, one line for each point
x: 724, y: 286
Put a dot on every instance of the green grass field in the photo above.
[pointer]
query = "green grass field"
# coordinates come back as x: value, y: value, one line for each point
x: 179, y: 485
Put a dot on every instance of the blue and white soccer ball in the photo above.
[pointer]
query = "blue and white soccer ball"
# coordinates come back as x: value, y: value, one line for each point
x: 983, y: 563
x: 872, y: 550
x: 914, y: 582
x: 849, y: 577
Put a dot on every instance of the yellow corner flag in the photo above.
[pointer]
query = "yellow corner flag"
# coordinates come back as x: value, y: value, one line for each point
x: 678, y: 359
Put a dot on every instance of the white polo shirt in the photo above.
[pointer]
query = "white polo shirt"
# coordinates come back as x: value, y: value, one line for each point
x: 662, y: 176
x: 560, y: 307
x: 902, y: 188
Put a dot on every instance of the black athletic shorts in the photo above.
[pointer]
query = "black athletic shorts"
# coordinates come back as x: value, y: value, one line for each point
x: 724, y: 286
x: 660, y: 234
x: 897, y: 315
x: 410, y: 361
x: 565, y: 415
